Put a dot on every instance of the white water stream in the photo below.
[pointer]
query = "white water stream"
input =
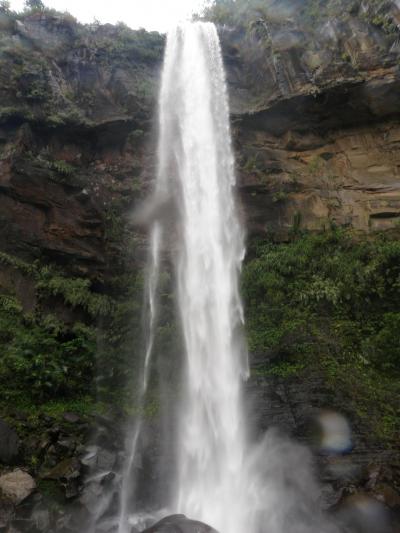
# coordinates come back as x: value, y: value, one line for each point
x: 220, y: 479
x: 195, y: 150
x: 196, y: 164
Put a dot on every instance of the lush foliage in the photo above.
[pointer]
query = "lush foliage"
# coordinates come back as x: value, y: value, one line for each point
x: 41, y: 357
x: 323, y: 303
x: 330, y: 303
x: 5, y: 6
x: 234, y: 12
x: 74, y: 291
x: 127, y: 44
x: 35, y: 5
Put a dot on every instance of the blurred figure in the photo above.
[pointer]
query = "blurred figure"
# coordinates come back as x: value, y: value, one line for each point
x: 334, y: 433
x: 360, y: 513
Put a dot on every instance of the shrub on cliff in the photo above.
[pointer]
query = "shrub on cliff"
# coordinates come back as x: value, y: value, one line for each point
x: 35, y: 5
x: 329, y: 302
x: 232, y: 12
x: 76, y: 342
x: 5, y: 6
x: 242, y: 13
x: 41, y: 357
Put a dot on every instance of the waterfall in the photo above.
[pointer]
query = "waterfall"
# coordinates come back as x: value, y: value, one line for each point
x: 220, y: 477
x: 196, y: 155
x: 151, y: 291
x: 196, y: 167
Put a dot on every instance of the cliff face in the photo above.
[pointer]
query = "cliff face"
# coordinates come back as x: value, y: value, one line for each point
x: 76, y: 107
x: 315, y: 106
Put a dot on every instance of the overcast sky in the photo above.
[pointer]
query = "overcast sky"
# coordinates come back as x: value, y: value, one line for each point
x: 150, y: 14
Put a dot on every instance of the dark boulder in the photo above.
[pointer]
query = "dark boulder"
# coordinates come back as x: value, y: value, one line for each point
x: 8, y: 443
x: 179, y: 524
x: 6, y: 513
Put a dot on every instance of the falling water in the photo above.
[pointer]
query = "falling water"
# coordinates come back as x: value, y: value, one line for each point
x: 195, y: 150
x: 196, y: 166
x: 151, y: 290
x: 220, y: 478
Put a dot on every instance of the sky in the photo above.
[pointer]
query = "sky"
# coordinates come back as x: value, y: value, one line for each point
x: 150, y: 14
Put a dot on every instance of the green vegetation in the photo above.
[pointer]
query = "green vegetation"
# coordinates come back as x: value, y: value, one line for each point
x: 316, y: 165
x: 324, y: 304
x: 27, y: 78
x: 377, y: 13
x: 41, y: 356
x: 75, y: 292
x: 320, y: 304
x: 5, y: 6
x: 26, y: 71
x: 246, y: 13
x: 62, y: 167
x: 318, y: 10
x: 329, y: 303
x: 35, y: 5
x: 45, y: 358
x: 234, y: 12
x: 127, y: 44
x: 279, y: 197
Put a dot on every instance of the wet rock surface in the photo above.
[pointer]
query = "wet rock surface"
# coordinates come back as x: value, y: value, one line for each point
x: 352, y: 477
x: 9, y: 443
x: 74, y: 473
x: 179, y: 524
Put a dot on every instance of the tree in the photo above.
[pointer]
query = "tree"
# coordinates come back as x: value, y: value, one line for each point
x: 35, y: 5
x: 4, y: 6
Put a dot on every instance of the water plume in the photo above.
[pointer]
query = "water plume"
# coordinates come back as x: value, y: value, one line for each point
x: 196, y: 156
x: 219, y: 478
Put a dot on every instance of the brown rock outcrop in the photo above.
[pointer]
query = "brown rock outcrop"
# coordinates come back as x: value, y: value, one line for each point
x: 315, y: 109
x: 316, y: 112
x: 347, y: 176
x: 76, y: 109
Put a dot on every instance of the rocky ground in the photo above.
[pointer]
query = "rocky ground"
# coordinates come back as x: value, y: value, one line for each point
x: 55, y: 472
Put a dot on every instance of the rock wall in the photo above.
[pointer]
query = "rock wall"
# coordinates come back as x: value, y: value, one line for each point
x: 315, y: 111
x: 348, y: 177
x: 75, y: 119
